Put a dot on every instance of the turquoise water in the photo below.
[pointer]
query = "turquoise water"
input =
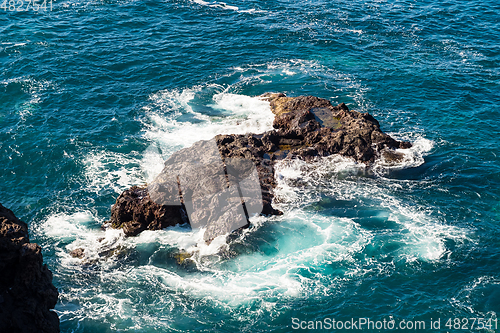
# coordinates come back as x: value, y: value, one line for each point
x: 95, y: 94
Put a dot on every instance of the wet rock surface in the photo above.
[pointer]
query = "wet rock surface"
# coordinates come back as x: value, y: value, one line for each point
x: 26, y: 291
x: 135, y: 211
x: 219, y: 183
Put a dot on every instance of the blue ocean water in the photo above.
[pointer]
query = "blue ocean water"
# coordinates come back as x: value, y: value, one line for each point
x: 94, y: 95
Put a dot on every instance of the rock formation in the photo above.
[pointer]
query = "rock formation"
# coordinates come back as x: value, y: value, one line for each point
x: 212, y: 183
x: 26, y: 290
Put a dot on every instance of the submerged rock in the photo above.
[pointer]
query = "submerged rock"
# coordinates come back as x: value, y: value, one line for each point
x: 78, y: 253
x: 26, y: 291
x: 219, y: 183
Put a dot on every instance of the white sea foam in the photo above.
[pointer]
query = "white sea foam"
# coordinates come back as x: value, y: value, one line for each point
x: 419, y: 235
x: 412, y: 157
x: 225, y: 6
x: 34, y: 88
x: 173, y: 102
x: 152, y: 162
x: 237, y: 114
x: 177, y: 236
x: 60, y: 226
x: 255, y: 277
x: 286, y: 73
x: 115, y: 171
x: 481, y: 290
x: 79, y: 230
x: 243, y: 114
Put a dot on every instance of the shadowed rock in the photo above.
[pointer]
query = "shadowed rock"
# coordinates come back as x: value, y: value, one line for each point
x: 219, y: 183
x: 26, y: 290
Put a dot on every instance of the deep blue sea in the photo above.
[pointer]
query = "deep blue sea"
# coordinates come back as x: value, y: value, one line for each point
x: 95, y: 95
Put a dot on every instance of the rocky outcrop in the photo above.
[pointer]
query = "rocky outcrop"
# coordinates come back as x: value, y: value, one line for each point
x: 26, y: 290
x: 134, y: 211
x: 212, y: 183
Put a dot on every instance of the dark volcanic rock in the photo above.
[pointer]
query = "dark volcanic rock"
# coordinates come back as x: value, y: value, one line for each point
x: 212, y: 183
x: 26, y: 290
x: 134, y: 211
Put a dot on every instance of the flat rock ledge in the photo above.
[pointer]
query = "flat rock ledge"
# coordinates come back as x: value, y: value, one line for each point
x: 27, y: 294
x: 194, y: 184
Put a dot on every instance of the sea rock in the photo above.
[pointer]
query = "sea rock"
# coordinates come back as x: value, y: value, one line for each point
x: 219, y: 183
x: 134, y: 211
x: 26, y: 291
x: 78, y: 253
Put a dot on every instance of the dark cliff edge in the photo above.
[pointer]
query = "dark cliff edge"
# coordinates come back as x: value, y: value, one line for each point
x: 27, y: 294
x: 194, y: 184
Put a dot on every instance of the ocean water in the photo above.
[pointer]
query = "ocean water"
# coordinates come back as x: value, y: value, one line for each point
x: 94, y: 95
